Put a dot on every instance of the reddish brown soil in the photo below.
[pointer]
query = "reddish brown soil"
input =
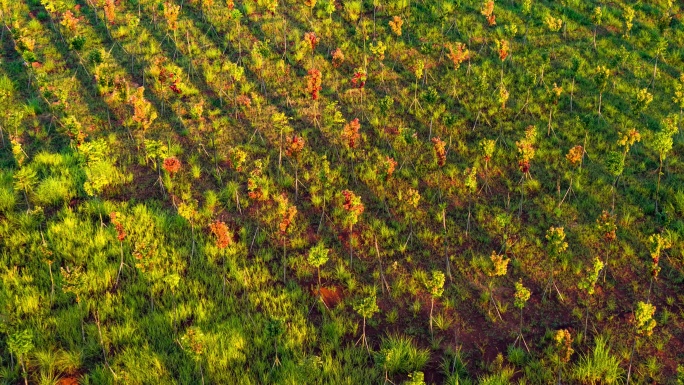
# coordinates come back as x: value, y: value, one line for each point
x: 68, y: 381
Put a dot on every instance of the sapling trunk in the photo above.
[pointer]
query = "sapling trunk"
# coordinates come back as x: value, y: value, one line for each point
x: 52, y: 283
x: 237, y: 203
x: 82, y: 323
x: 284, y: 261
x: 468, y: 225
x: 566, y: 193
x: 446, y: 246
x: 432, y: 306
x: 660, y: 171
x: 383, y: 282
x: 318, y: 273
x: 650, y: 289
x: 522, y: 197
x: 572, y: 92
x: 493, y: 301
x: 320, y: 224
x: 275, y: 346
x: 280, y: 151
x: 192, y: 231
x: 631, y: 356
x: 151, y: 300
x: 28, y: 206
x: 225, y: 271
x: 655, y: 69
x: 351, y: 247
x: 586, y: 322
x: 104, y: 352
x: 23, y: 368
x: 121, y: 264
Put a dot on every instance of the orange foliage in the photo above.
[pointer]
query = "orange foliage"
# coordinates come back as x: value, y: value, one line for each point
x: 313, y: 83
x: 110, y: 11
x: 311, y: 39
x: 459, y: 54
x: 295, y: 145
x: 172, y: 165
x: 337, y: 58
x: 120, y: 234
x: 574, y: 156
x: 142, y: 109
x: 244, y: 101
x: 488, y: 12
x: 352, y: 203
x: 70, y: 21
x: 396, y: 24
x: 440, y: 150
x: 220, y: 230
x: 287, y: 218
x: 391, y: 165
x: 350, y: 133
x: 504, y: 49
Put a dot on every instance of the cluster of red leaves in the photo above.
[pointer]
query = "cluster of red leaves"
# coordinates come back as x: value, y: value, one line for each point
x: 337, y: 58
x: 230, y: 4
x: 350, y: 133
x: 504, y: 49
x: 524, y: 166
x: 286, y: 221
x: 359, y: 79
x: 172, y: 165
x: 220, y: 231
x: 440, y: 150
x: 171, y: 78
x: 458, y: 54
x: 313, y: 83
x: 244, y: 100
x: 488, y: 12
x: 391, y: 165
x: 254, y: 190
x: 120, y: 234
x: 352, y: 203
x: 295, y: 145
x: 311, y: 39
x: 574, y: 156
x: 655, y: 268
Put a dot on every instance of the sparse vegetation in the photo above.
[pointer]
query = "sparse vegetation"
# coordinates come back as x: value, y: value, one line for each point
x: 341, y: 192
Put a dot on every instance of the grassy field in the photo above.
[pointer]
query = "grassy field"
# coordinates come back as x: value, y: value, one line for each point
x: 341, y: 192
